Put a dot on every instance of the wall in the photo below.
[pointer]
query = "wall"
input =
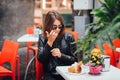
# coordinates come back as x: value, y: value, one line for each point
x: 15, y: 16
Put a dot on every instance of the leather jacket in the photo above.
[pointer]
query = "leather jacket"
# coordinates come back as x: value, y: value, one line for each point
x: 67, y: 49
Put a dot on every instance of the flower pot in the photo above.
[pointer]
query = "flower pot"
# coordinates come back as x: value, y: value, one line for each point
x: 95, y: 70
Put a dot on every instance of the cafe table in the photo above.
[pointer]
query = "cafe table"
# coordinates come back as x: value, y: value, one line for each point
x: 112, y: 74
x: 28, y: 38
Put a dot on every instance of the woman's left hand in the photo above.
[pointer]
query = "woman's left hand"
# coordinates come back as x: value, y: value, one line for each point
x: 56, y: 52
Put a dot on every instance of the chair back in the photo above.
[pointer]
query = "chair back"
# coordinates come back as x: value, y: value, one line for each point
x: 108, y: 51
x: 116, y: 43
x: 30, y: 30
x: 9, y: 52
x: 39, y: 70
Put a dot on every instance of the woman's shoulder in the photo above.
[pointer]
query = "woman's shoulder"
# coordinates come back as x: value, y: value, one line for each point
x: 68, y: 35
x: 42, y: 37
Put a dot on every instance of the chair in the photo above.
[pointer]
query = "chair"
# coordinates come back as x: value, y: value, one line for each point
x: 29, y: 30
x: 39, y: 70
x: 116, y: 43
x: 109, y: 51
x: 9, y: 54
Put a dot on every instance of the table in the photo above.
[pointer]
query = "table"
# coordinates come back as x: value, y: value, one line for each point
x: 28, y: 38
x: 112, y: 74
x: 118, y: 49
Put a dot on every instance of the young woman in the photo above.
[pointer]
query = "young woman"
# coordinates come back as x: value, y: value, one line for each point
x: 54, y: 46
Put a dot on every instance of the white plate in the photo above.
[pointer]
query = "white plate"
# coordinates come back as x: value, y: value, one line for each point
x: 70, y: 73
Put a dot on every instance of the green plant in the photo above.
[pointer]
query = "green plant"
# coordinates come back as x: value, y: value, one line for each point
x: 106, y: 28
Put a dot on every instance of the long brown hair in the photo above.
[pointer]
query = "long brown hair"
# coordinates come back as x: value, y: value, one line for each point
x: 50, y: 17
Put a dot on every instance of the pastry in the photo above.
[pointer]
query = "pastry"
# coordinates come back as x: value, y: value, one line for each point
x: 76, y: 68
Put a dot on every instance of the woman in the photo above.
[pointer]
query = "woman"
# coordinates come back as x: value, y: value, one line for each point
x: 54, y: 46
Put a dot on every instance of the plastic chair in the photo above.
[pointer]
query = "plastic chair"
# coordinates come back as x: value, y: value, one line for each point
x: 116, y: 43
x: 29, y: 30
x: 39, y: 70
x: 109, y: 51
x: 9, y: 54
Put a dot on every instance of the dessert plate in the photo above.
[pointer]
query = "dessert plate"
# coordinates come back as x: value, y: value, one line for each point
x: 70, y: 73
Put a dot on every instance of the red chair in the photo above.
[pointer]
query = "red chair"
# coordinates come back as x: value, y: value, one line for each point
x: 39, y: 70
x: 9, y: 54
x: 116, y: 43
x: 29, y: 30
x: 109, y: 51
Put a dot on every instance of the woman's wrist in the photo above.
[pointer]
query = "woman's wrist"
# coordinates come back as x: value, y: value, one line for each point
x: 49, y: 43
x: 59, y: 56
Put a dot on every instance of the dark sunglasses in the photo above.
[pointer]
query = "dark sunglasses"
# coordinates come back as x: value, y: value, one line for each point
x: 58, y: 26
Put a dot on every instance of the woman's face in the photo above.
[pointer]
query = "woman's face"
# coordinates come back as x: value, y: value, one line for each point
x: 57, y: 26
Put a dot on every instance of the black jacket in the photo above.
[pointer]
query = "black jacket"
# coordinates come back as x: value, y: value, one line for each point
x: 67, y: 49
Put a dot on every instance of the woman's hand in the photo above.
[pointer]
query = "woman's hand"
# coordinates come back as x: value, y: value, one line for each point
x: 56, y: 52
x: 51, y: 37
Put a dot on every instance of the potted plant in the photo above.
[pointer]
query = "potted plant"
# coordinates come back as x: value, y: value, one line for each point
x: 106, y: 28
x: 96, y: 61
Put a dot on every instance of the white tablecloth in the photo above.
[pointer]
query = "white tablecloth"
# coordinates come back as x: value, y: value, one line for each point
x: 112, y: 74
x: 28, y: 38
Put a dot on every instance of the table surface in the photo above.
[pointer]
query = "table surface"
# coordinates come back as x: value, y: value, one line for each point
x: 28, y: 38
x: 112, y: 74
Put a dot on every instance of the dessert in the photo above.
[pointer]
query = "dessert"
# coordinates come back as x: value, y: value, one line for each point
x: 76, y: 68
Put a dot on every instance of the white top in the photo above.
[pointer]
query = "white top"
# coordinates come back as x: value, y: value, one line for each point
x: 28, y: 38
x: 112, y: 74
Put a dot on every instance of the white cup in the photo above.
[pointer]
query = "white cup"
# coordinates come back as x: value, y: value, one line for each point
x: 106, y: 62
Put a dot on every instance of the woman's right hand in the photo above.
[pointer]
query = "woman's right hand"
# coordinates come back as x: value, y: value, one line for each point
x: 51, y: 37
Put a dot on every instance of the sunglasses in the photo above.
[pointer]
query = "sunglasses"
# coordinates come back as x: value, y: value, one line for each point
x: 57, y: 26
